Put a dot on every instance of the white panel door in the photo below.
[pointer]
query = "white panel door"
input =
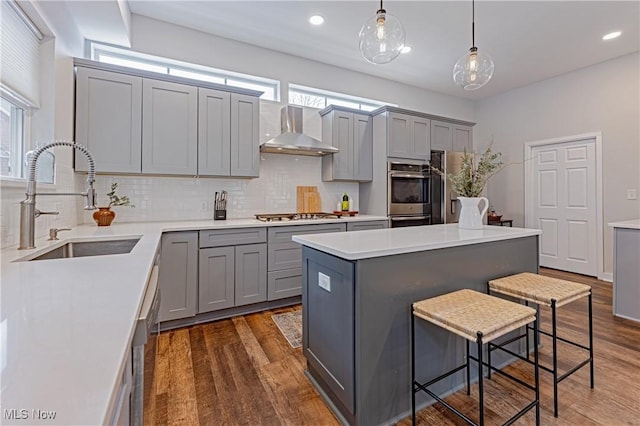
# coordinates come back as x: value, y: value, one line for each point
x: 564, y: 205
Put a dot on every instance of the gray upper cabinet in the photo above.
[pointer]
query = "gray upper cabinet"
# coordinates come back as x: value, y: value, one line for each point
x: 169, y: 128
x: 441, y: 136
x: 409, y: 137
x: 245, y: 132
x: 351, y: 132
x: 108, y: 120
x: 462, y: 138
x: 177, y: 277
x: 214, y: 132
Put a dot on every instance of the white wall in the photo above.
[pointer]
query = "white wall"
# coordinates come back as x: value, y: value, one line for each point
x: 604, y: 97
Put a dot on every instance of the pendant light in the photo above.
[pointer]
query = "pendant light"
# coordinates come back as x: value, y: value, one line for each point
x: 474, y: 69
x: 381, y: 38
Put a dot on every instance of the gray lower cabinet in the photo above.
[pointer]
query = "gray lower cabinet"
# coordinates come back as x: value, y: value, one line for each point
x: 363, y: 226
x: 233, y: 268
x: 178, y: 278
x: 284, y: 258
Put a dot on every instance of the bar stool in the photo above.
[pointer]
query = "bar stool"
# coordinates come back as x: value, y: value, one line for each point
x: 479, y: 318
x: 554, y: 293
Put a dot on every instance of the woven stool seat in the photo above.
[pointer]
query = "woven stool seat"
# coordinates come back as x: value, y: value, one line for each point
x: 468, y: 312
x: 540, y: 289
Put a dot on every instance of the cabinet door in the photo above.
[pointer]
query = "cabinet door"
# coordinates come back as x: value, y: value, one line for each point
x: 399, y: 141
x: 420, y: 138
x: 342, y: 137
x: 462, y: 139
x: 245, y: 131
x: 251, y: 274
x: 169, y: 128
x: 177, y: 277
x: 363, y: 147
x: 108, y: 120
x: 216, y: 279
x: 214, y: 132
x: 441, y: 136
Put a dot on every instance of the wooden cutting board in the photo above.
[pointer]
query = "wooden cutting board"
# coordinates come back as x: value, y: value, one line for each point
x: 307, y: 197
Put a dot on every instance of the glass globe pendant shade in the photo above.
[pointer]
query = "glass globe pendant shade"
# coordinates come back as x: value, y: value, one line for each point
x: 473, y: 70
x: 381, y: 38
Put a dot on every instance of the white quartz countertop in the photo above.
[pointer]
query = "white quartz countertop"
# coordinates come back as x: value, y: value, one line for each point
x: 388, y: 242
x: 628, y: 224
x: 67, y: 324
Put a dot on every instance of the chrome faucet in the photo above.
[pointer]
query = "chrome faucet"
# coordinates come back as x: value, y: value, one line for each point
x: 28, y: 211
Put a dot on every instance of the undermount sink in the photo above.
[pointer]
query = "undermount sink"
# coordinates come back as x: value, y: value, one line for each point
x: 89, y: 248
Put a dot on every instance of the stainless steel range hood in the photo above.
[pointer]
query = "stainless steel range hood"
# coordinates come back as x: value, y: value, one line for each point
x: 292, y: 140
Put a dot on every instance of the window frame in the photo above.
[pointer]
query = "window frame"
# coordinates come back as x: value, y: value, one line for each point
x: 368, y: 104
x: 95, y: 50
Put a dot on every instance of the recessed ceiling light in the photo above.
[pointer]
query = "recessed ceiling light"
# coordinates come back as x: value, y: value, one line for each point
x: 612, y: 35
x: 316, y: 20
x: 406, y: 49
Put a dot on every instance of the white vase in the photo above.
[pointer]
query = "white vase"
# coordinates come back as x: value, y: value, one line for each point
x: 470, y: 214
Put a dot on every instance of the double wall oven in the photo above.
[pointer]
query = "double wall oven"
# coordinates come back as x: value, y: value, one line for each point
x: 409, y: 194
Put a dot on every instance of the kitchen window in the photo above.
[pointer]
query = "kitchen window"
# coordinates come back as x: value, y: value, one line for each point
x: 127, y: 58
x: 318, y: 98
x: 19, y: 86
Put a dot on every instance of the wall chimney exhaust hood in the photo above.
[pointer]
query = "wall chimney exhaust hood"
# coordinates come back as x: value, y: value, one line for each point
x: 292, y: 140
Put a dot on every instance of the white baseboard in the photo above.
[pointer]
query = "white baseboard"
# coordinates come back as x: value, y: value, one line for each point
x: 606, y: 276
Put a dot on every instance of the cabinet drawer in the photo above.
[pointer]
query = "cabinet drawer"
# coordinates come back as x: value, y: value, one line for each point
x: 362, y: 226
x: 284, y: 256
x: 231, y: 237
x: 283, y: 234
x: 283, y: 284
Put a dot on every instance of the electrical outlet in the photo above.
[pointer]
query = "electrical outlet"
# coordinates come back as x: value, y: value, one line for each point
x: 324, y: 281
x: 632, y: 194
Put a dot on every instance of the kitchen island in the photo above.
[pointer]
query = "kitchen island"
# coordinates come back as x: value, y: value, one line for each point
x: 357, y: 296
x: 626, y: 271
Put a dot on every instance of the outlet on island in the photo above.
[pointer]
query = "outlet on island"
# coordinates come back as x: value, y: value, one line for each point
x: 324, y: 281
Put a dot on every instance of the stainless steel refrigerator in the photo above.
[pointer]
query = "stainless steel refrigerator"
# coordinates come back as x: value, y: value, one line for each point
x: 445, y: 206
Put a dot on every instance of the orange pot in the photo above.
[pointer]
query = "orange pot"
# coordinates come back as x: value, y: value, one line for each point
x: 104, y: 216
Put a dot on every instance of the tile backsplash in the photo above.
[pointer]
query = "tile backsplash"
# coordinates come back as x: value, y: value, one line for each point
x: 159, y: 198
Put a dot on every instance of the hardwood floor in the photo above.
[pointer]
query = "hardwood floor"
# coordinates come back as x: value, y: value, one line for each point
x: 242, y: 371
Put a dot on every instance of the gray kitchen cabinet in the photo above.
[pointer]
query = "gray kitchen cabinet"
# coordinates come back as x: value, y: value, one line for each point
x: 409, y: 137
x: 245, y: 133
x: 441, y: 136
x: 108, y: 120
x: 363, y: 226
x: 284, y: 257
x: 462, y: 138
x: 178, y: 278
x: 169, y: 128
x: 228, y: 132
x: 233, y: 268
x: 351, y: 132
x: 216, y: 278
x: 214, y: 132
x: 251, y: 274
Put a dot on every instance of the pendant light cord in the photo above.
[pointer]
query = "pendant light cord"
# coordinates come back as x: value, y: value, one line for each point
x: 473, y: 23
x: 381, y: 8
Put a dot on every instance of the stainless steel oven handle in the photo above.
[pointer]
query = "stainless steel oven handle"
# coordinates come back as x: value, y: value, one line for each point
x: 403, y: 218
x: 409, y: 175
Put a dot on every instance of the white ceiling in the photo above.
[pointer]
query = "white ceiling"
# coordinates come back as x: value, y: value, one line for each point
x: 528, y: 40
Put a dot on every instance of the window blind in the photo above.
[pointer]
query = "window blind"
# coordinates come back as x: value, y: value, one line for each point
x: 20, y: 53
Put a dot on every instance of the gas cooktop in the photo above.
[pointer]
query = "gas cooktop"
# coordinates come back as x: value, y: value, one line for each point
x: 283, y: 217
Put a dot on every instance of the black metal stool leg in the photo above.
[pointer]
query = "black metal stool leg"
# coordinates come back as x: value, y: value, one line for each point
x: 526, y: 327
x: 413, y: 369
x: 480, y: 384
x: 591, y: 337
x: 535, y: 366
x: 554, y: 332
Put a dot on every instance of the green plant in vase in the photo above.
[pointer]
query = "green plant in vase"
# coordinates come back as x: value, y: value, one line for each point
x: 104, y: 215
